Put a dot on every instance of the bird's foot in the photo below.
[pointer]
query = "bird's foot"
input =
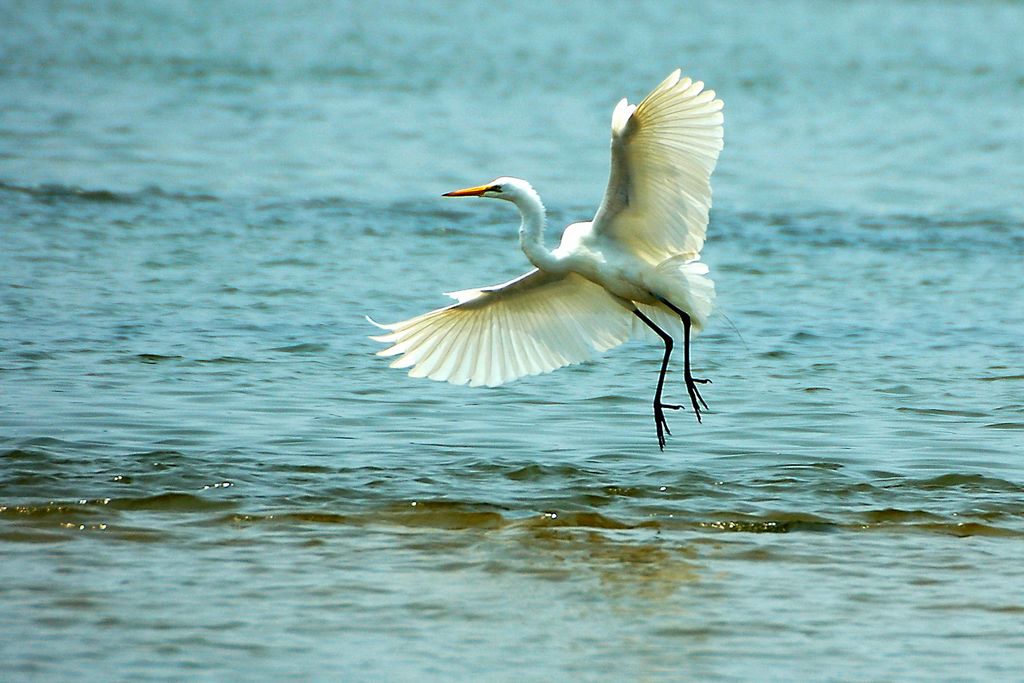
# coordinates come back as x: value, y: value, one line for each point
x: 661, y: 423
x: 695, y: 398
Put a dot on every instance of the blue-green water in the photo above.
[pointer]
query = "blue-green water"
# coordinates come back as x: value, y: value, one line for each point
x: 206, y: 474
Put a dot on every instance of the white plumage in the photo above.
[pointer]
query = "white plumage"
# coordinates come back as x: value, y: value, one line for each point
x: 536, y: 323
x: 635, y: 267
x: 663, y: 156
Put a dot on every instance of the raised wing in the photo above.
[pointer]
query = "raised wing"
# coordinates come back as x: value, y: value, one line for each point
x: 663, y: 153
x: 536, y: 323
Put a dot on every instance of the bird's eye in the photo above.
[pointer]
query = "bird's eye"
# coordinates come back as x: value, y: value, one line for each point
x: 494, y: 188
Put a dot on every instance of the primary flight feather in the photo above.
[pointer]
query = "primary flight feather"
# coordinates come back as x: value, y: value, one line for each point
x: 635, y: 267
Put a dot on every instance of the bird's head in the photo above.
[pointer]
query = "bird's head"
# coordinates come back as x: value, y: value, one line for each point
x: 508, y: 189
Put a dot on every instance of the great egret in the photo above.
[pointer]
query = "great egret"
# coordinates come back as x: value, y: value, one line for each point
x: 637, y: 262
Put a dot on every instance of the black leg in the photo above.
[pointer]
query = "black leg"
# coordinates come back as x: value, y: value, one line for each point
x: 659, y: 408
x: 691, y: 382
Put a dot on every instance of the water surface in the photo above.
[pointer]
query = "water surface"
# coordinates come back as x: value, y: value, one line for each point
x: 206, y: 474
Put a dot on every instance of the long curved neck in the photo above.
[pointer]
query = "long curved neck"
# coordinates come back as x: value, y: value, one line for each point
x: 531, y: 231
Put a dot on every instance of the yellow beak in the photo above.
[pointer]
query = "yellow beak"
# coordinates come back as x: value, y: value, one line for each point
x: 468, y: 192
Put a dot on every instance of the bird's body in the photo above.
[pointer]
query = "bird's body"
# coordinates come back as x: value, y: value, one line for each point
x: 635, y: 267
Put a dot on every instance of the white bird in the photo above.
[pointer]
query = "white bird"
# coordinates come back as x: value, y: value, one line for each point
x: 637, y: 262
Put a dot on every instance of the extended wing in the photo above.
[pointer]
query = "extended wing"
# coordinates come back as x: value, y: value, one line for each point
x: 533, y: 324
x: 663, y: 152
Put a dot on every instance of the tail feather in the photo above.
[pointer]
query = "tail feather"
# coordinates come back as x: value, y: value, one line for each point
x: 683, y: 280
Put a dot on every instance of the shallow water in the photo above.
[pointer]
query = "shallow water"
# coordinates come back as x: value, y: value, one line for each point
x: 206, y: 474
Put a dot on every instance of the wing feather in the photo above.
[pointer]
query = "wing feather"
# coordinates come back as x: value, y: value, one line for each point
x: 532, y: 324
x: 463, y: 351
x: 502, y: 350
x: 663, y: 153
x: 436, y: 356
